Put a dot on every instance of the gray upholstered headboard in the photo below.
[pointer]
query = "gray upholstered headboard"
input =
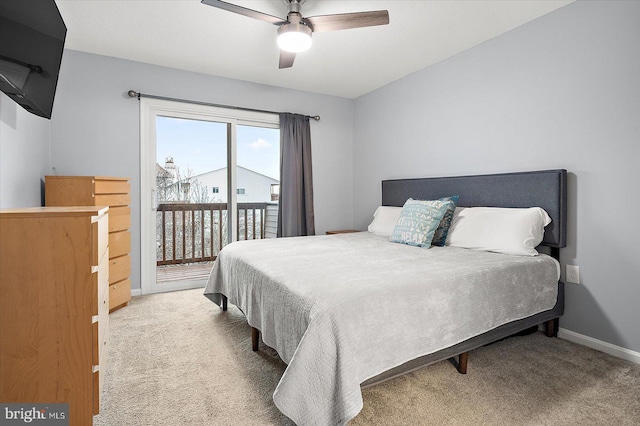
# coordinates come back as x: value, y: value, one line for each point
x: 546, y: 189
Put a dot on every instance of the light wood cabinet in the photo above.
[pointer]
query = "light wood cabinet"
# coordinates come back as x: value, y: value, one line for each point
x: 54, y: 304
x: 102, y: 191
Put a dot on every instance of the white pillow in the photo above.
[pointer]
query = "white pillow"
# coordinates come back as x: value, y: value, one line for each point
x: 512, y: 231
x: 384, y: 220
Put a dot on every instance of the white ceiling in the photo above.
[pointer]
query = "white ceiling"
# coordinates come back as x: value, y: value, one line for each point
x: 186, y: 34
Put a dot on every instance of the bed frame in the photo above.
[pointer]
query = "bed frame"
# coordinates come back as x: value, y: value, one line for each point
x: 546, y: 189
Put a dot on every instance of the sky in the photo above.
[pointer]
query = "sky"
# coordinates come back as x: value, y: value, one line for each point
x: 201, y: 146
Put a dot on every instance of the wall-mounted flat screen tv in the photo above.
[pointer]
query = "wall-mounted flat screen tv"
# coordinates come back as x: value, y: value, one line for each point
x: 32, y: 35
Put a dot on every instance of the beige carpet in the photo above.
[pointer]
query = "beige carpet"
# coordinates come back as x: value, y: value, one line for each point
x: 177, y: 359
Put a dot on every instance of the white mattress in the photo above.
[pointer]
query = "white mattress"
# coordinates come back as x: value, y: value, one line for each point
x: 340, y: 309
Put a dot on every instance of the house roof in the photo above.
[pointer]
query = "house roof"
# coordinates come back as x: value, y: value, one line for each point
x: 240, y: 167
x: 161, y: 171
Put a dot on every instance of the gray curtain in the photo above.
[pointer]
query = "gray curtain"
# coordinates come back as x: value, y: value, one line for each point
x: 295, y: 208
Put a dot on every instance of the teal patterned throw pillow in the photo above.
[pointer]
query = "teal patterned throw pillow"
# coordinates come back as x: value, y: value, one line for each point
x: 440, y: 236
x: 418, y: 221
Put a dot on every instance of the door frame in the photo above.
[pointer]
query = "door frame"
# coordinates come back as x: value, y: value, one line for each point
x: 150, y: 108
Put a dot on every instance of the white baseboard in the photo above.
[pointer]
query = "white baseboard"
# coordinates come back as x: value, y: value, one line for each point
x: 136, y: 292
x: 599, y: 345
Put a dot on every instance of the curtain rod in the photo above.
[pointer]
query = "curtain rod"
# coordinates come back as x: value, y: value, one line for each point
x: 134, y: 94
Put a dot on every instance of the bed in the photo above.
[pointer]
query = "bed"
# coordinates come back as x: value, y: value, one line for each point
x: 348, y: 311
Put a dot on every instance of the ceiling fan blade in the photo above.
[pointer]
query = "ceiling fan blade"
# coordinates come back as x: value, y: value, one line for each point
x: 345, y: 21
x: 244, y: 11
x: 286, y: 59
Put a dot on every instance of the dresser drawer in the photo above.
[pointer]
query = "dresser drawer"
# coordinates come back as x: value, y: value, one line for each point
x: 100, y: 370
x: 119, y: 268
x: 97, y: 391
x: 100, y: 327
x: 100, y: 238
x: 119, y: 243
x: 100, y: 283
x: 119, y: 218
x: 119, y: 293
x: 108, y: 186
x: 98, y: 384
x: 112, y: 200
x: 104, y: 278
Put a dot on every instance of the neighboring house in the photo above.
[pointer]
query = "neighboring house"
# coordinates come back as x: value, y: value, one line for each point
x: 164, y: 179
x: 251, y: 187
x: 212, y: 186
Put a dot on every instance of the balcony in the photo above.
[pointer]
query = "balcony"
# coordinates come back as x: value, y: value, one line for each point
x: 189, y: 236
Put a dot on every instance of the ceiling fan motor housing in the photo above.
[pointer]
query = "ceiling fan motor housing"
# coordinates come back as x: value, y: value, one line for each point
x: 294, y: 36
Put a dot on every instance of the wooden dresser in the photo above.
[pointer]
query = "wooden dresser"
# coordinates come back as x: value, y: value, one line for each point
x: 102, y: 191
x: 54, y: 298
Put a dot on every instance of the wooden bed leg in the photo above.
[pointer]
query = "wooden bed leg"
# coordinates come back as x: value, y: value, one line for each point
x: 255, y: 334
x: 551, y: 327
x: 224, y: 302
x: 462, y: 362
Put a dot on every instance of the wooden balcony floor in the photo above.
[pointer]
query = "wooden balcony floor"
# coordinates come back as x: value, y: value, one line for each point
x: 184, y: 272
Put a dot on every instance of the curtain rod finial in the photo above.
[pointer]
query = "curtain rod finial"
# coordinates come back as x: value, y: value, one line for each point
x: 133, y: 94
x: 316, y: 117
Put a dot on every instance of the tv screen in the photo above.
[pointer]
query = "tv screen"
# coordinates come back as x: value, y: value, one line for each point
x: 32, y: 35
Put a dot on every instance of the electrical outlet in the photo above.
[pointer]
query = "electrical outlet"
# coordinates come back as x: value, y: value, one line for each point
x: 573, y: 274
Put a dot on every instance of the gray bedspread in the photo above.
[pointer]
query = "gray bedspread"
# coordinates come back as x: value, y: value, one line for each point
x: 340, y: 309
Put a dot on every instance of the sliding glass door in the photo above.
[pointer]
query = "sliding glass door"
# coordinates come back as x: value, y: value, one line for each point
x: 209, y: 177
x: 258, y: 181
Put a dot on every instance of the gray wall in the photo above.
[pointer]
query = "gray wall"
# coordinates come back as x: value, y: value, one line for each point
x: 95, y: 128
x: 24, y: 155
x: 562, y: 91
x: 559, y: 92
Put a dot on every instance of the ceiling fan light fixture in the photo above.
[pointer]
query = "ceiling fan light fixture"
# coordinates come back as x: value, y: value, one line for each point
x: 294, y: 32
x: 294, y: 37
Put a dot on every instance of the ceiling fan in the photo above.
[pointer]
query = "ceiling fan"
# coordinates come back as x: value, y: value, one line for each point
x: 294, y: 34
